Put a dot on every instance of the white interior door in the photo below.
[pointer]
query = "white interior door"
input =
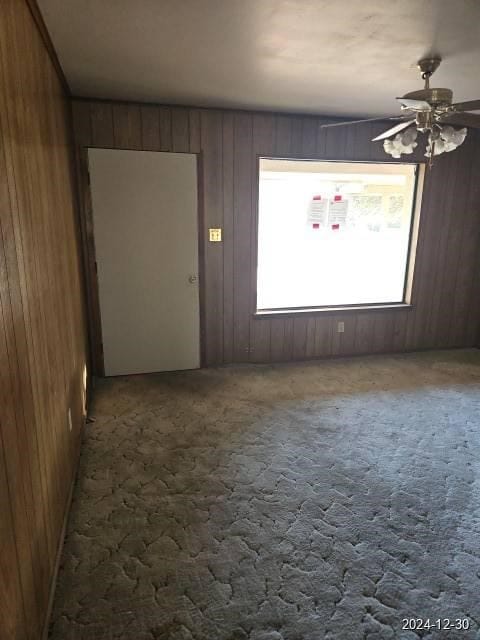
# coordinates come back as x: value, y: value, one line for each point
x: 146, y: 243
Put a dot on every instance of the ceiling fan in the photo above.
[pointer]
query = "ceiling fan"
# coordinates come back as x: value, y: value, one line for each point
x: 427, y: 110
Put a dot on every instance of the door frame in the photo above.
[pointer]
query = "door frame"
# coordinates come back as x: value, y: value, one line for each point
x: 90, y: 259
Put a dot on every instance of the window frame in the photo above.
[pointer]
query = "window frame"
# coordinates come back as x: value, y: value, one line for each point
x: 405, y: 304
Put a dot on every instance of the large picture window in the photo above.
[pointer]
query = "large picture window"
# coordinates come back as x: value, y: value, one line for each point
x: 333, y: 234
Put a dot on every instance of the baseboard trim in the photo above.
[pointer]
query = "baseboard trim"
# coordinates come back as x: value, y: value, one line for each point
x: 53, y: 583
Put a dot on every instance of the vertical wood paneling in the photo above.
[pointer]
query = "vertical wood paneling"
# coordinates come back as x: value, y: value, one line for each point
x: 351, y: 141
x: 242, y: 239
x: 321, y: 141
x: 281, y: 339
x: 467, y: 283
x: 382, y: 332
x: 18, y: 473
x: 425, y: 292
x: 287, y: 351
x: 323, y: 344
x: 299, y: 338
x: 296, y: 145
x: 442, y: 233
x: 101, y: 114
x: 42, y: 332
x: 448, y: 285
x: 399, y: 329
x: 415, y: 322
x: 180, y: 130
x: 82, y: 121
x: 363, y: 333
x: 13, y: 620
x: 473, y: 324
x: 363, y: 146
x: 127, y: 126
x: 25, y: 172
x: 195, y: 141
x: 473, y: 321
x: 277, y: 333
x: 309, y: 137
x: 150, y: 128
x: 165, y: 115
x: 283, y: 136
x: 260, y: 341
x: 336, y: 338
x: 311, y: 331
x: 347, y: 339
x: 335, y: 143
x: 446, y: 282
x: 26, y: 480
x: 211, y: 134
x: 263, y: 145
x: 49, y: 232
x: 228, y: 235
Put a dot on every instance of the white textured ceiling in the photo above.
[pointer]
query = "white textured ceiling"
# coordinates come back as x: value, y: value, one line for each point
x: 342, y: 57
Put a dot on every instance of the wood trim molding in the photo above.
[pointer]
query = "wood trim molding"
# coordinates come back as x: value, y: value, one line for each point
x: 42, y: 28
x: 90, y: 266
x: 61, y: 540
x: 201, y: 258
x: 318, y: 311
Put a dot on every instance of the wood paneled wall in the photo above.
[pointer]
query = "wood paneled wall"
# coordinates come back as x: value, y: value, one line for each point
x: 446, y: 287
x: 42, y: 325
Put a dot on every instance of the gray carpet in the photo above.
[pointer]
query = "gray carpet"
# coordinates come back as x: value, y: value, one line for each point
x: 289, y: 502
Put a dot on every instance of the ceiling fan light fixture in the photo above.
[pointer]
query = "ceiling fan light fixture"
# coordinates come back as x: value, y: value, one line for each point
x: 425, y: 111
x: 402, y: 143
x: 448, y: 140
x: 453, y: 136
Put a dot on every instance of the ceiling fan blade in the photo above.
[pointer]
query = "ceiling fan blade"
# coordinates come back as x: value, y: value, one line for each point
x: 471, y: 105
x: 393, y: 130
x: 463, y: 118
x: 342, y: 124
x: 414, y: 104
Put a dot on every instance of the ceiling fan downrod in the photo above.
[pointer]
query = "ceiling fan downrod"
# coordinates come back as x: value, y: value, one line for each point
x: 428, y: 66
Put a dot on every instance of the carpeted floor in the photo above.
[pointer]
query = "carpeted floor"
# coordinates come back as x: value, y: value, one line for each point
x: 290, y: 502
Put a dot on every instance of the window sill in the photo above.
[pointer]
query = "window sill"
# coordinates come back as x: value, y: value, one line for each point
x: 318, y: 311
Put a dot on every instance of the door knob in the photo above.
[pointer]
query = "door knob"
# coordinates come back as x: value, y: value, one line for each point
x: 192, y: 279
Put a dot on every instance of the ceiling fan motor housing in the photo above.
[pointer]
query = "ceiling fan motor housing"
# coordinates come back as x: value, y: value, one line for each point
x: 435, y: 97
x: 424, y: 121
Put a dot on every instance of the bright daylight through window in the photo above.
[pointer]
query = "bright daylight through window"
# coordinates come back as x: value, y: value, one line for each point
x: 333, y: 233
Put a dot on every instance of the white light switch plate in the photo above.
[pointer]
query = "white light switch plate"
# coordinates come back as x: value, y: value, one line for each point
x: 215, y: 235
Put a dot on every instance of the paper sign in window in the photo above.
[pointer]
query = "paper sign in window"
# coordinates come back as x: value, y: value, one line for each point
x: 337, y: 211
x: 317, y: 212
